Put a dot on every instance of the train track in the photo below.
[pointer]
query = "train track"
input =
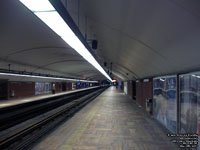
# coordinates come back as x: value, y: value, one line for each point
x: 16, y: 114
x: 23, y: 138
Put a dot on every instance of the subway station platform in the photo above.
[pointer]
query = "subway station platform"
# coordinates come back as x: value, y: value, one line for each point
x: 11, y: 102
x: 110, y: 122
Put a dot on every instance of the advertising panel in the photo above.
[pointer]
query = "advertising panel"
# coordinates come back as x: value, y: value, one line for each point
x: 165, y: 101
x: 47, y: 88
x: 126, y: 87
x: 190, y: 103
x: 42, y: 88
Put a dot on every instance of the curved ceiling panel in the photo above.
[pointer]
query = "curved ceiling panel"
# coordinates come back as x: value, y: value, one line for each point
x: 141, y: 38
x: 149, y: 38
x: 26, y: 40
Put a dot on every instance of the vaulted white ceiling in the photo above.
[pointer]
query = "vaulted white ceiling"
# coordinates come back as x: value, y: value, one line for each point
x: 142, y: 38
x: 28, y: 44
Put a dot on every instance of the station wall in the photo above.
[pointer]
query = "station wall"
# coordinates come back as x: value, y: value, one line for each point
x: 3, y: 89
x: 26, y: 89
x: 144, y: 90
x: 139, y: 93
x: 162, y: 93
x: 175, y: 101
x: 129, y: 88
x: 132, y: 89
x: 21, y: 89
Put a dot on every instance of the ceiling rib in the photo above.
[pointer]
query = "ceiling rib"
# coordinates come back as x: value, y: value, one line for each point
x: 120, y: 65
x: 35, y: 48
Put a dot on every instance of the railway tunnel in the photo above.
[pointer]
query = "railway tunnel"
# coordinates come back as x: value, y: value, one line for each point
x: 99, y: 75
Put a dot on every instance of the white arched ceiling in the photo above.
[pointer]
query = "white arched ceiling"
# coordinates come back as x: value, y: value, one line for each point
x: 26, y: 41
x: 143, y: 37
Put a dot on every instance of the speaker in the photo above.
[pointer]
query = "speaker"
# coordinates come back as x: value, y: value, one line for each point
x: 105, y: 64
x: 94, y: 44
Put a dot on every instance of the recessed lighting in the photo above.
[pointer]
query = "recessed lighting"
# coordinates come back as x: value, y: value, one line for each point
x: 162, y: 80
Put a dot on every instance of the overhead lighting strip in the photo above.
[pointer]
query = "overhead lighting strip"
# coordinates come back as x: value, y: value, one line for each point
x: 48, y: 14
x: 44, y: 77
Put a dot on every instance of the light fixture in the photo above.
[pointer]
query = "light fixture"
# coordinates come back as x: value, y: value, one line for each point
x: 44, y: 77
x: 162, y: 80
x: 146, y: 80
x: 48, y: 14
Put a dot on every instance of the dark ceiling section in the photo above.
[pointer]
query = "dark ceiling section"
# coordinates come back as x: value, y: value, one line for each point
x: 27, y: 41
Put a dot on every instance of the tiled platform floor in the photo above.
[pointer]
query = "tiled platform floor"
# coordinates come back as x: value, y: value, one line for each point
x: 111, y: 122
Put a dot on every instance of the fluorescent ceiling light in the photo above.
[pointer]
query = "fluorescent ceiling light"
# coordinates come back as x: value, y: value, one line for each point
x: 162, y: 80
x: 38, y: 5
x: 47, y: 13
x: 44, y: 77
x: 146, y: 80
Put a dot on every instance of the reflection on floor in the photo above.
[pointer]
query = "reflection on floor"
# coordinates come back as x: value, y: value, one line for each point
x: 111, y: 122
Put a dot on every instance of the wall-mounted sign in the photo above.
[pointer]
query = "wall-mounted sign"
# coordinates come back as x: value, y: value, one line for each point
x: 146, y: 80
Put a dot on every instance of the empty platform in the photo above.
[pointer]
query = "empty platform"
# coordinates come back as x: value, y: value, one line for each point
x: 111, y: 122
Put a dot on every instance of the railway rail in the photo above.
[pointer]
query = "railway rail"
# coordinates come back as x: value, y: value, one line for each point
x: 57, y: 111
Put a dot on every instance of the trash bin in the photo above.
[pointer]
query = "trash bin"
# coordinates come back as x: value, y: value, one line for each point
x: 149, y: 105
